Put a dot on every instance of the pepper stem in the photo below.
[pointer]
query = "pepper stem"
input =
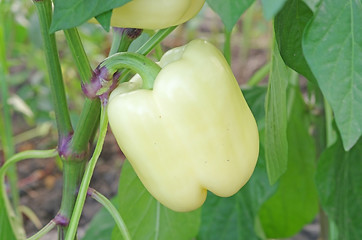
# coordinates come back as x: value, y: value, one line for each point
x: 146, y: 68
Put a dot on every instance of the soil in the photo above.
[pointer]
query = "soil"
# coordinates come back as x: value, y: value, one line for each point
x: 41, y: 190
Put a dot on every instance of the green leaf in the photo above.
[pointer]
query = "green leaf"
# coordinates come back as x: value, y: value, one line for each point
x: 272, y: 7
x: 234, y: 218
x: 332, y: 45
x: 312, y: 4
x: 101, y: 226
x: 229, y: 10
x: 296, y: 201
x: 255, y: 97
x: 5, y: 227
x: 289, y: 25
x: 72, y: 13
x: 104, y: 20
x: 339, y: 183
x: 146, y: 218
x: 276, y: 145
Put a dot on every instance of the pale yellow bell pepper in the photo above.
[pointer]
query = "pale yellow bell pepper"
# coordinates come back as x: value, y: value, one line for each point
x: 191, y: 133
x: 154, y: 14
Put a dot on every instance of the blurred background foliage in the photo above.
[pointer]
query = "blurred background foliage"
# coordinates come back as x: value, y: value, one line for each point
x: 28, y: 83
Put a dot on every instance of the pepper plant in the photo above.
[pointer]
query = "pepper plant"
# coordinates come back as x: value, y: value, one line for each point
x: 206, y: 159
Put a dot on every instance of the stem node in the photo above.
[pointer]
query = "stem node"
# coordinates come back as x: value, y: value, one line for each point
x: 61, y: 220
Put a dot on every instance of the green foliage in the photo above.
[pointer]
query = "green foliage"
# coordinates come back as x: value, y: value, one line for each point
x: 295, y: 203
x: 6, y: 231
x: 72, y: 13
x: 312, y: 4
x: 332, y: 45
x: 145, y: 217
x: 339, y: 183
x: 271, y: 8
x: 255, y: 97
x: 229, y: 10
x: 105, y: 19
x: 276, y: 144
x: 289, y: 25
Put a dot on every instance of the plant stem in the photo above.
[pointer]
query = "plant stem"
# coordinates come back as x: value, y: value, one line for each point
x: 43, y: 231
x: 74, y: 165
x: 320, y: 121
x: 331, y: 136
x: 89, y: 117
x: 323, y: 222
x: 73, y: 172
x: 71, y: 232
x: 71, y: 177
x: 122, y: 39
x: 79, y: 146
x: 5, y: 117
x: 227, y: 46
x: 113, y: 211
x: 148, y: 46
x: 79, y: 55
x: 328, y: 228
x: 40, y: 130
x: 116, y: 41
x: 30, y: 214
x: 155, y: 40
x: 321, y: 144
x: 158, y: 51
x: 44, y: 10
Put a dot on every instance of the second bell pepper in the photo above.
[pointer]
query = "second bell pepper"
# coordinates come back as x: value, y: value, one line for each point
x: 191, y: 133
x: 154, y: 14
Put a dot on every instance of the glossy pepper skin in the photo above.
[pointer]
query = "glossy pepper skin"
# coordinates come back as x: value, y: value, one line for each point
x: 192, y: 133
x: 155, y: 14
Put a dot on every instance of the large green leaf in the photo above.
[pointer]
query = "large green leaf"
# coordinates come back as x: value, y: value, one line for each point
x: 332, y: 45
x: 146, y: 218
x: 234, y: 218
x: 339, y: 182
x: 295, y: 202
x: 276, y: 145
x: 289, y: 25
x: 271, y: 8
x: 71, y: 13
x: 229, y: 10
